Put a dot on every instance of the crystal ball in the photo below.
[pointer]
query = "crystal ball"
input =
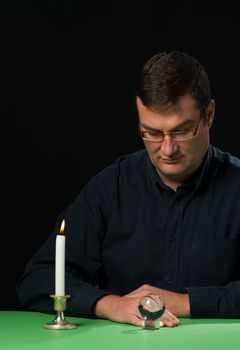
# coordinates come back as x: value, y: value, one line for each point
x: 151, y: 307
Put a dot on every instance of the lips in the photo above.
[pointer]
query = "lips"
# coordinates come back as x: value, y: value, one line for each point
x: 170, y: 161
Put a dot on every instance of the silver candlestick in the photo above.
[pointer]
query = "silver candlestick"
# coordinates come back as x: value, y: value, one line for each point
x: 59, y: 321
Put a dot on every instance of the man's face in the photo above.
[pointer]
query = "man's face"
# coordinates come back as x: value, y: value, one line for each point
x: 175, y: 161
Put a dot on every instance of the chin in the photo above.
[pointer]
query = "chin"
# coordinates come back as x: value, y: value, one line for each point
x: 174, y: 169
x: 175, y: 173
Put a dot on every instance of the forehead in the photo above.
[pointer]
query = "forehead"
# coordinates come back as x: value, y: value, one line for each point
x: 185, y: 109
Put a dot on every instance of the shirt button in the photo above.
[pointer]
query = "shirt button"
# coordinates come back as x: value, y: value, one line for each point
x: 169, y: 281
x: 172, y: 241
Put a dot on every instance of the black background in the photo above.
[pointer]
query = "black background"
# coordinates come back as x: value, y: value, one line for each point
x: 69, y: 97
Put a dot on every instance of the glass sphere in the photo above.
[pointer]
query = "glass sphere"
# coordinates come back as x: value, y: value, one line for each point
x: 151, y: 307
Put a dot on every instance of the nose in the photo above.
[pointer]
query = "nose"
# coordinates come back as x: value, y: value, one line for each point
x: 168, y: 146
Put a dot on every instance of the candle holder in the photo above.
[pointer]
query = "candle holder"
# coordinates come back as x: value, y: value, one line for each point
x: 59, y: 321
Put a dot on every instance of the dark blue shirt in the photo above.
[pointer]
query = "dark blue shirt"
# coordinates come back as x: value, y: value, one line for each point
x: 126, y: 229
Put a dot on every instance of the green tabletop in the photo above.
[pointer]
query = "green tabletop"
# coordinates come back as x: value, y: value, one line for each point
x: 24, y: 330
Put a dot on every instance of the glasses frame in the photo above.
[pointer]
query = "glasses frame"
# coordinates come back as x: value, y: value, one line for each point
x: 194, y: 132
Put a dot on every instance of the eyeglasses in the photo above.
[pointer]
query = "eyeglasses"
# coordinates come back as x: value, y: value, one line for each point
x: 158, y: 136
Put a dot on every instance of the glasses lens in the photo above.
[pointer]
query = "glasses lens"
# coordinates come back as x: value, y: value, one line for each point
x: 182, y: 136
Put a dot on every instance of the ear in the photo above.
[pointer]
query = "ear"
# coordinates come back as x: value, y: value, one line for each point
x: 210, y: 112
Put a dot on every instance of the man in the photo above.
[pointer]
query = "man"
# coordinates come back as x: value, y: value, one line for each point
x: 164, y: 219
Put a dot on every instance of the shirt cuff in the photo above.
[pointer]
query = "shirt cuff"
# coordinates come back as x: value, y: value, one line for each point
x: 81, y: 303
x: 203, y: 302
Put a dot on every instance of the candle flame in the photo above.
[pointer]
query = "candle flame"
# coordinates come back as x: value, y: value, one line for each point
x: 62, y: 226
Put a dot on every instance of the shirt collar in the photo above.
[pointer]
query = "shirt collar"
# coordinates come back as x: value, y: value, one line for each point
x: 197, y: 179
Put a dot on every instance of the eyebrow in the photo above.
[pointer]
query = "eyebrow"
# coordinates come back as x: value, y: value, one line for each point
x: 179, y: 126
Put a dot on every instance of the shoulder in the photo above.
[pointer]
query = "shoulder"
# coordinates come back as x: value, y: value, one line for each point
x: 226, y: 159
x: 105, y: 185
x: 121, y: 172
x: 226, y: 168
x: 123, y: 165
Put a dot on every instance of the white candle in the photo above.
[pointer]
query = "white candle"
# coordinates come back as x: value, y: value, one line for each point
x: 60, y: 262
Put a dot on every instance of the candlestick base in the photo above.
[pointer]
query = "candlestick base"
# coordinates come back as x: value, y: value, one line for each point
x: 59, y: 321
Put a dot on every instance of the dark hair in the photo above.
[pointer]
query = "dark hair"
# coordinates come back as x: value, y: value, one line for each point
x: 167, y: 76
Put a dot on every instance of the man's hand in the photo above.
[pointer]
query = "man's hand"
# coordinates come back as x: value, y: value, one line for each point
x: 125, y: 310
x: 176, y: 303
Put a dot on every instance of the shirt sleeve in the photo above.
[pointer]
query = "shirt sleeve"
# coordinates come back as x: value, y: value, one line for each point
x: 86, y: 222
x: 215, y: 301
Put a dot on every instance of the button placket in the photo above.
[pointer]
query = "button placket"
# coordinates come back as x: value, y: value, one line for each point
x: 173, y: 231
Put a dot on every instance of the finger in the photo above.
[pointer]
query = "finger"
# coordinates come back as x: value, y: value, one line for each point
x: 171, y: 323
x: 162, y: 324
x: 136, y: 321
x: 137, y: 293
x: 169, y: 319
x: 145, y: 288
